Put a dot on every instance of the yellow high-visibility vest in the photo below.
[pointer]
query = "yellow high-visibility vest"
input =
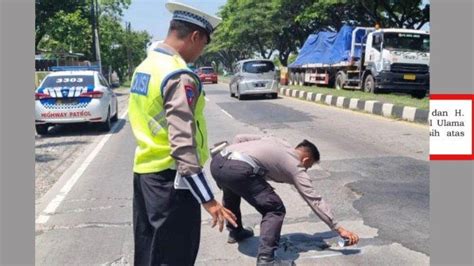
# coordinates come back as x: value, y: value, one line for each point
x: 147, y: 115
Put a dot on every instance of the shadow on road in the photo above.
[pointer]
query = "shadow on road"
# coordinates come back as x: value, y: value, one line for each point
x: 121, y: 93
x: 83, y: 129
x: 292, y: 245
x: 64, y: 143
x: 260, y: 97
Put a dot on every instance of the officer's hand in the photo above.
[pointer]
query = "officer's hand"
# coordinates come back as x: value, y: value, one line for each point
x: 219, y: 214
x: 353, y: 238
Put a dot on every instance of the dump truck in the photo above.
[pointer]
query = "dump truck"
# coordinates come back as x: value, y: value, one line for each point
x: 365, y: 58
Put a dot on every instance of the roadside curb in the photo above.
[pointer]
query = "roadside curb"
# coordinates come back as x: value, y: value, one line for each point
x: 407, y: 113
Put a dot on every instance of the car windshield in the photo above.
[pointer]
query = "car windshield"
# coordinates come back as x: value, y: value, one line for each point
x: 258, y: 67
x: 207, y: 70
x: 69, y: 81
x: 407, y: 41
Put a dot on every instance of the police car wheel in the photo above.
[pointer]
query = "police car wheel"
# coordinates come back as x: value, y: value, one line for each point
x: 107, y: 124
x: 115, y: 117
x: 42, y: 129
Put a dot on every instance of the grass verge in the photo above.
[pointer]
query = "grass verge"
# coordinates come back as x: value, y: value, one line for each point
x: 224, y: 79
x: 396, y: 99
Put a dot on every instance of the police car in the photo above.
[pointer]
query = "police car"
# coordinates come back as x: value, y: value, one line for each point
x: 74, y: 95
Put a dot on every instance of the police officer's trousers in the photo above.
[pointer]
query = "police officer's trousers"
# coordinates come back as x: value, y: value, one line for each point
x: 237, y: 180
x: 166, y: 222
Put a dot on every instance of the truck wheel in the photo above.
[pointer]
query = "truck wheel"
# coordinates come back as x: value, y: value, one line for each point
x: 369, y: 84
x: 290, y: 78
x: 42, y: 129
x: 301, y: 79
x: 340, y: 80
x: 418, y: 94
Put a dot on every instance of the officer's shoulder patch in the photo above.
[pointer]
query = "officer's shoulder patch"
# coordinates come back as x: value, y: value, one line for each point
x: 140, y: 83
x: 190, y: 93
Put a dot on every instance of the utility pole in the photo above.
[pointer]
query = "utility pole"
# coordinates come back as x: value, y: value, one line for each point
x: 129, y: 51
x: 95, y: 32
x: 93, y: 14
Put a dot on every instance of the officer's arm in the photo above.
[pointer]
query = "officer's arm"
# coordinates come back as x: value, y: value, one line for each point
x: 180, y: 96
x: 304, y: 186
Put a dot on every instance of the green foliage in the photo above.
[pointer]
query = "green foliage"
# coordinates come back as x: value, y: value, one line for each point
x: 120, y: 48
x: 67, y: 32
x: 47, y: 9
x: 114, y: 8
x: 252, y: 27
x: 332, y: 14
x: 66, y: 25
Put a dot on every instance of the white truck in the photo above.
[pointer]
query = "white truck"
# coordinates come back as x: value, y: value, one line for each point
x: 368, y: 59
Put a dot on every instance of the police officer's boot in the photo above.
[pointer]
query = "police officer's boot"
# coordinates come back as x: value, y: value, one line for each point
x: 238, y: 235
x: 265, y: 260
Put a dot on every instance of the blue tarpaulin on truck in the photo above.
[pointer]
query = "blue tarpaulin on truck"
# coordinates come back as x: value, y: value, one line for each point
x: 328, y: 48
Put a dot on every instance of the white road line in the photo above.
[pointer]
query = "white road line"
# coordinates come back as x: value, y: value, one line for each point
x: 54, y: 204
x: 322, y: 256
x: 205, y: 98
x: 225, y: 112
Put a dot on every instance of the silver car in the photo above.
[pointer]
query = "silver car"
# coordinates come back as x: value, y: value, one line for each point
x: 253, y: 77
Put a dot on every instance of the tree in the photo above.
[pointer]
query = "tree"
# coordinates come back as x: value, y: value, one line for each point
x: 332, y: 14
x: 66, y: 26
x: 67, y: 32
x: 116, y: 41
x: 51, y: 14
x: 252, y: 27
x: 47, y: 9
x: 400, y: 13
x: 227, y: 45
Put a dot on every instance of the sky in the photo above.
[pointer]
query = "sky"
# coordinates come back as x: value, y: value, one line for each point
x: 152, y: 15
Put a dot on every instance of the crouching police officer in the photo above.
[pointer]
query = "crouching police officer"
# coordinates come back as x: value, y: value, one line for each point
x: 166, y: 115
x: 242, y: 170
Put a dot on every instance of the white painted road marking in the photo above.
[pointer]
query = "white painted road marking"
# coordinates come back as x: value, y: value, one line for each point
x: 323, y: 256
x: 54, y: 204
x: 225, y: 112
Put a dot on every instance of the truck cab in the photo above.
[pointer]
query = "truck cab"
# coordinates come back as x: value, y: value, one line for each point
x: 397, y: 60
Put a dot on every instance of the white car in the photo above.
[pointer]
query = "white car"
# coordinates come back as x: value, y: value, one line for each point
x: 254, y: 77
x: 75, y: 96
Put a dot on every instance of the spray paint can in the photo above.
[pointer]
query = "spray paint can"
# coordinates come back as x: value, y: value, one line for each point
x: 342, y: 242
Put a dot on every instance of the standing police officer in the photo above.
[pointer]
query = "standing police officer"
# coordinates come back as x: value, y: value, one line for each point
x: 166, y: 115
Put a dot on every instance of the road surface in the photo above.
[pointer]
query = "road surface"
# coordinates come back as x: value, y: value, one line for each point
x: 373, y: 172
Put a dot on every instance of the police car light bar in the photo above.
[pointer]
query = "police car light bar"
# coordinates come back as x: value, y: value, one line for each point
x: 74, y: 68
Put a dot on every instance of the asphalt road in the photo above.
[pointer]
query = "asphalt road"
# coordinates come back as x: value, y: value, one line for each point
x: 374, y: 173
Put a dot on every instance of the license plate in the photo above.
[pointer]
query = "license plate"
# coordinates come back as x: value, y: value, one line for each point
x: 259, y: 85
x: 66, y: 101
x: 409, y: 76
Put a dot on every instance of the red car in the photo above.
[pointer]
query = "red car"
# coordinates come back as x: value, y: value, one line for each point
x: 207, y: 74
